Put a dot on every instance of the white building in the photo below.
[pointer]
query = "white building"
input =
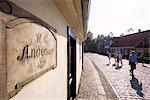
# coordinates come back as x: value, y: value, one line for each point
x: 41, y: 48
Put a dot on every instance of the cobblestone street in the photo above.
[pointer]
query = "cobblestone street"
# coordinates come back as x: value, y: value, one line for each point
x: 91, y: 87
x: 126, y: 86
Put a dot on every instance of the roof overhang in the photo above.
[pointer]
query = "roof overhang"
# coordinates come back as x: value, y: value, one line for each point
x: 75, y: 12
x: 86, y: 4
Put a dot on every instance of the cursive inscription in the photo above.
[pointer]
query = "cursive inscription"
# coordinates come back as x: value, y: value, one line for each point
x: 29, y: 52
x: 34, y: 52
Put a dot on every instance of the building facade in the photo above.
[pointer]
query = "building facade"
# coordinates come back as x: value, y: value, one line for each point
x: 137, y: 41
x: 41, y: 48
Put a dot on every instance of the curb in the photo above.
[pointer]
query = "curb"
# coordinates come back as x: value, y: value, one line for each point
x: 100, y: 94
x: 108, y: 87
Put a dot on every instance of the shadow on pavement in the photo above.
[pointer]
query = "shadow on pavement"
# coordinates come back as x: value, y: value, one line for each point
x: 107, y: 64
x: 146, y: 66
x: 118, y: 67
x: 135, y: 84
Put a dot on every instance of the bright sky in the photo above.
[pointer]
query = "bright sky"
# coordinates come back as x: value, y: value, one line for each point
x: 118, y: 16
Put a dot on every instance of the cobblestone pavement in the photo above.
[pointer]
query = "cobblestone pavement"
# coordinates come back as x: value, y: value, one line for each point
x: 91, y: 87
x: 126, y: 86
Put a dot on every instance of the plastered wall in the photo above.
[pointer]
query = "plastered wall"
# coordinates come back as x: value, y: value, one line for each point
x: 53, y: 84
x: 2, y: 60
x: 78, y: 63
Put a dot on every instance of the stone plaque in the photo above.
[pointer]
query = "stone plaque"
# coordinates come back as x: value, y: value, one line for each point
x: 31, y: 51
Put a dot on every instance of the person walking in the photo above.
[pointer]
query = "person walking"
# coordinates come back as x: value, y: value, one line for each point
x: 142, y: 59
x: 117, y: 60
x: 120, y: 58
x: 109, y: 57
x: 115, y: 57
x: 132, y: 62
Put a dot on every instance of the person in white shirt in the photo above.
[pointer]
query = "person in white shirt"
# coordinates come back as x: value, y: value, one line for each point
x: 115, y: 57
x: 109, y: 57
x: 120, y: 58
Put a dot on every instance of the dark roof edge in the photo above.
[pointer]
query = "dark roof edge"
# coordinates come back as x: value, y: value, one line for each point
x: 134, y: 33
x: 141, y: 39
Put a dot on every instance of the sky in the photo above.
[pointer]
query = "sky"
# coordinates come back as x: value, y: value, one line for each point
x: 118, y: 16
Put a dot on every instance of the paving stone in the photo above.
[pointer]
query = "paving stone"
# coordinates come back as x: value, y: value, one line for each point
x: 91, y: 87
x: 126, y: 87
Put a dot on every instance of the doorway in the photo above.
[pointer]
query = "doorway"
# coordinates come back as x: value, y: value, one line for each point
x: 71, y: 70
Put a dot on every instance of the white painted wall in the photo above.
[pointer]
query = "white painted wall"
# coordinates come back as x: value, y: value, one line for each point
x: 78, y: 63
x: 53, y: 84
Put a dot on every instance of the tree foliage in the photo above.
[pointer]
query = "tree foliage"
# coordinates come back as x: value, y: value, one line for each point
x: 98, y: 44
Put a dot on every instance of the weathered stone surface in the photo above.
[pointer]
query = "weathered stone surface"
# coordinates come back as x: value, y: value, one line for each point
x: 31, y: 49
x: 3, y: 90
x: 27, y: 50
x: 2, y: 41
x: 6, y: 17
